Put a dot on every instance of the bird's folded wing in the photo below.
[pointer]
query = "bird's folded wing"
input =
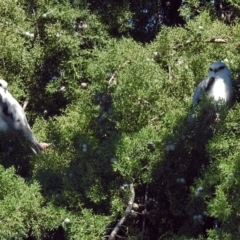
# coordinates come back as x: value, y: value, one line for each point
x: 15, y: 117
x: 12, y: 116
x: 209, y: 82
x: 197, y: 94
x: 202, y: 87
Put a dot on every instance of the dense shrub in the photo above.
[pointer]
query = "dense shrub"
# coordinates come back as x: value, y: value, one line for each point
x: 111, y: 109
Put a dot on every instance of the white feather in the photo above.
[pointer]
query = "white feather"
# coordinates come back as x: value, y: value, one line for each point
x: 12, y: 116
x: 221, y: 87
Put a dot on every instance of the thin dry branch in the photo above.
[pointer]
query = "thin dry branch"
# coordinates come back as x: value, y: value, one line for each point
x: 25, y: 104
x: 169, y: 73
x: 183, y: 44
x: 168, y: 233
x: 188, y: 42
x: 127, y: 212
x: 142, y: 101
x: 115, y: 73
x: 45, y: 146
x: 145, y: 209
x: 154, y: 119
x: 216, y: 40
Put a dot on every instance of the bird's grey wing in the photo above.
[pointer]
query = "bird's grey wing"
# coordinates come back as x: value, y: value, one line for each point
x: 203, y: 86
x: 20, y: 123
x: 13, y: 112
x: 3, y: 125
x: 3, y: 105
x: 197, y: 94
x: 8, y: 111
x: 13, y: 115
x: 208, y: 83
x: 17, y: 118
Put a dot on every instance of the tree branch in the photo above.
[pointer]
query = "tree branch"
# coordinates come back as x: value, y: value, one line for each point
x: 145, y: 210
x: 142, y: 101
x: 127, y: 211
x: 25, y: 104
x: 169, y: 73
x: 188, y: 42
x: 44, y: 146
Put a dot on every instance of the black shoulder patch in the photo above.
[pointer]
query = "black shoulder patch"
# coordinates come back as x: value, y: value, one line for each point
x: 209, y: 83
x: 5, y: 111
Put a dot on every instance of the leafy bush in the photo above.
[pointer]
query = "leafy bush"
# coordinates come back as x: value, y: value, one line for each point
x: 116, y: 113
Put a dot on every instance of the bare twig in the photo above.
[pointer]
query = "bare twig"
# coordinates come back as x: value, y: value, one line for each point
x: 4, y: 65
x: 216, y: 40
x: 45, y: 146
x: 25, y: 104
x: 121, y: 237
x: 142, y: 101
x: 188, y: 42
x: 183, y: 44
x: 154, y: 119
x: 145, y: 209
x: 145, y: 167
x: 127, y: 211
x: 169, y: 73
x: 168, y: 232
x: 115, y: 73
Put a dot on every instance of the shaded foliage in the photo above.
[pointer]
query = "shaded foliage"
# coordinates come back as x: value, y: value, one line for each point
x: 141, y: 19
x: 115, y: 112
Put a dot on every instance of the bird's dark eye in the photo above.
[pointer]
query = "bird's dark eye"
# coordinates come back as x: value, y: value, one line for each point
x: 210, y: 69
x: 222, y: 67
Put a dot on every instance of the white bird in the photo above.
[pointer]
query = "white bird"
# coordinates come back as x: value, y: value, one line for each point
x: 217, y: 85
x: 12, y: 117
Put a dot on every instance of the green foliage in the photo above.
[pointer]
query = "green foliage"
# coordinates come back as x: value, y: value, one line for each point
x: 140, y: 19
x: 22, y: 208
x: 116, y: 113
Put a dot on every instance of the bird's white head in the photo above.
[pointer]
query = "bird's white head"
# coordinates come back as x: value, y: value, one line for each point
x: 219, y: 69
x: 3, y: 84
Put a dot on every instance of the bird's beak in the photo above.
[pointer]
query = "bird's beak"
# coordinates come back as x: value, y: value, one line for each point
x: 212, y: 74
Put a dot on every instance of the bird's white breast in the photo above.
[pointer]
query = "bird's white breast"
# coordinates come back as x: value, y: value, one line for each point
x: 221, y: 90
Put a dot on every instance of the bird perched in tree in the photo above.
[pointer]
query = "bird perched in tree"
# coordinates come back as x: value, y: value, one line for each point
x: 12, y: 117
x: 217, y: 85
